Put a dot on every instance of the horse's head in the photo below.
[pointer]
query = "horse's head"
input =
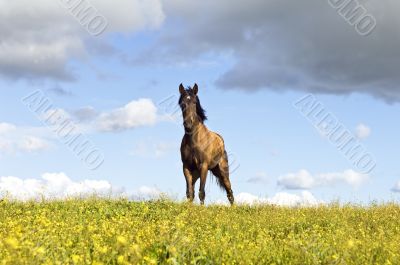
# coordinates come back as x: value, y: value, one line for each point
x: 191, y: 109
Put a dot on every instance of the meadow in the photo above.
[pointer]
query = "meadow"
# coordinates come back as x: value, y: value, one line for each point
x: 101, y: 231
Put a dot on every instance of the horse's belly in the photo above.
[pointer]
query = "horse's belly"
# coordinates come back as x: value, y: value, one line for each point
x: 195, y: 157
x: 215, y: 162
x: 202, y: 157
x: 196, y: 162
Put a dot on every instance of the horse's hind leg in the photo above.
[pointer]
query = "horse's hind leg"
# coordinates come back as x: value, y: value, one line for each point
x: 228, y: 189
x: 222, y: 173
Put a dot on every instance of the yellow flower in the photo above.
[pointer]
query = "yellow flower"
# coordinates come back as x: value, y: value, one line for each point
x: 350, y: 243
x: 69, y: 243
x: 76, y: 259
x: 103, y: 250
x: 135, y: 249
x: 150, y: 260
x: 122, y: 240
x: 172, y: 250
x: 12, y: 242
x: 40, y: 251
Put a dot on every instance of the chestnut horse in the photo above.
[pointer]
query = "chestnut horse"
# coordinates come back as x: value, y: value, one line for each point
x: 201, y: 149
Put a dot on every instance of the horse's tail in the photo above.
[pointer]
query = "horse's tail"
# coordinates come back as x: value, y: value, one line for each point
x: 219, y: 172
x: 226, y: 167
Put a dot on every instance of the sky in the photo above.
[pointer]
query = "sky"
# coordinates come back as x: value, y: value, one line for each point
x: 112, y: 71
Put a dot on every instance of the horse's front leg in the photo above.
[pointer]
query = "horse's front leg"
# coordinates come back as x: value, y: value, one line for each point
x: 189, y: 183
x: 203, y: 178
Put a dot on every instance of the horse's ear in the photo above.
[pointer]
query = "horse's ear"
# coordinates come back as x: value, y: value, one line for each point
x: 195, y: 89
x: 181, y: 89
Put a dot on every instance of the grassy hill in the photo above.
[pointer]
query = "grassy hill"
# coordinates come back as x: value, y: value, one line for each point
x: 97, y: 231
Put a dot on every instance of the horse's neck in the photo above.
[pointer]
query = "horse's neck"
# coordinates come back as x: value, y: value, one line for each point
x: 199, y: 134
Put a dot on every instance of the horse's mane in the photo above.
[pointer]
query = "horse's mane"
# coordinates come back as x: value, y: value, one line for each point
x: 201, y: 113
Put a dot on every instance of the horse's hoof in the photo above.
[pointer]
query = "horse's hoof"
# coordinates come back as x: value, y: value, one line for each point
x: 231, y: 200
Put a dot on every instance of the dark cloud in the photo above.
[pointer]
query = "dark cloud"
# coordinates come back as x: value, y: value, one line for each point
x: 274, y: 44
x: 39, y: 40
x: 286, y: 45
x: 256, y: 180
x: 85, y: 113
x: 259, y: 177
x: 60, y: 91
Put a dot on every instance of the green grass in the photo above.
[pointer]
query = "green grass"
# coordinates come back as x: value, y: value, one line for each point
x: 97, y: 231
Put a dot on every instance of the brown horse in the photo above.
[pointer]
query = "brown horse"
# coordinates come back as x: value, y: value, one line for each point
x: 201, y: 149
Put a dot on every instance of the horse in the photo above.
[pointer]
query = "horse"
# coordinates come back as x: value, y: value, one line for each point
x: 201, y: 149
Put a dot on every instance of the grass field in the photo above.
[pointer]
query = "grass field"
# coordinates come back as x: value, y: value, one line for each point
x: 97, y: 231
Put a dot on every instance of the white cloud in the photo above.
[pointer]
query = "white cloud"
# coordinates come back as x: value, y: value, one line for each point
x: 300, y: 180
x: 305, y: 198
x: 53, y: 186
x: 58, y: 186
x: 305, y: 180
x: 141, y: 112
x: 33, y: 144
x: 6, y: 146
x: 287, y: 199
x: 396, y: 187
x: 362, y: 131
x: 6, y: 127
x: 145, y: 193
x: 15, y: 139
x: 39, y: 39
x: 349, y: 176
x: 258, y: 178
x: 137, y: 113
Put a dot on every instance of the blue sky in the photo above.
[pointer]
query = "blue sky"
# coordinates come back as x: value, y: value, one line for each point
x: 246, y: 84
